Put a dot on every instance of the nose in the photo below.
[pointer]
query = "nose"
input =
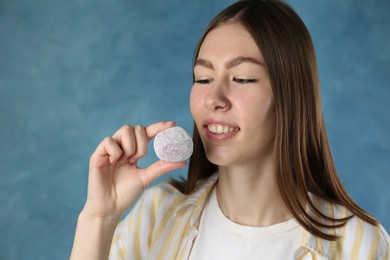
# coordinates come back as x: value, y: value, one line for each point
x: 217, y: 99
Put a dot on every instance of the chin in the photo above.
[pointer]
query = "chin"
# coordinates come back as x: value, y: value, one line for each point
x: 219, y: 158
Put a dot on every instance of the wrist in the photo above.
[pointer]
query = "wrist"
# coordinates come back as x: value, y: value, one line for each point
x: 93, y: 236
x: 99, y: 220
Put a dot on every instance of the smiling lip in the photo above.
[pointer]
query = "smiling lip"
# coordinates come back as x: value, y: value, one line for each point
x: 218, y: 130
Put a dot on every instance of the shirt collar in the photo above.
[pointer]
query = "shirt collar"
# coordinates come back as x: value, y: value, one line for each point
x: 198, y: 198
x: 312, y: 247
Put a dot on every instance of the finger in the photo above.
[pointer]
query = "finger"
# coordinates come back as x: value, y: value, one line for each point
x: 152, y: 130
x: 158, y: 169
x: 125, y: 137
x: 107, y: 152
x: 141, y: 142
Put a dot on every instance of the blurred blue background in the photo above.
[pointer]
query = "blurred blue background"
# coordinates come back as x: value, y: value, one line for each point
x: 73, y: 72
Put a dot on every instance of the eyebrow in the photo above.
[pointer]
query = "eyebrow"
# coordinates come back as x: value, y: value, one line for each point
x: 230, y: 63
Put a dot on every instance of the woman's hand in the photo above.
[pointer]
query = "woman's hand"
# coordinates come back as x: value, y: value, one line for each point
x: 115, y: 181
x: 114, y: 184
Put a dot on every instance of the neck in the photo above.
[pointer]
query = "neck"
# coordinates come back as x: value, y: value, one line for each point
x: 250, y: 195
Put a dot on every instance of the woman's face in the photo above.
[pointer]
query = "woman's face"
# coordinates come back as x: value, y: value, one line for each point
x: 231, y: 99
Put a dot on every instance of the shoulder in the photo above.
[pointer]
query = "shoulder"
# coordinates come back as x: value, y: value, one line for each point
x: 372, y: 240
x: 150, y: 205
x: 134, y: 236
x: 165, y: 197
x: 162, y: 201
x: 357, y: 236
x: 161, y: 197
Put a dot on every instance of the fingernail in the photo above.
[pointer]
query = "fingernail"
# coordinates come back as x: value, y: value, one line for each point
x: 170, y: 122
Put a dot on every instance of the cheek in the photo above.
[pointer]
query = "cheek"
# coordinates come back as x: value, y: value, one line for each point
x: 195, y: 101
x: 267, y: 118
x: 258, y: 110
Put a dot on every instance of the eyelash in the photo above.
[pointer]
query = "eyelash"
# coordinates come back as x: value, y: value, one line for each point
x: 203, y: 81
x: 244, y: 81
x: 238, y: 80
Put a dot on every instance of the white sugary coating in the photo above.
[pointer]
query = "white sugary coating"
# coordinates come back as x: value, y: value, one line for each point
x: 173, y: 145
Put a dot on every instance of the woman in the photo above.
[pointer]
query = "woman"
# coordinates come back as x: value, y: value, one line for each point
x: 261, y: 181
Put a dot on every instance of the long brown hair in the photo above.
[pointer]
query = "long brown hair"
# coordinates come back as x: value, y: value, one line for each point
x: 303, y: 161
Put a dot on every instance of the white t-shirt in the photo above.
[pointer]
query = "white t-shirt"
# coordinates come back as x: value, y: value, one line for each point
x: 220, y: 238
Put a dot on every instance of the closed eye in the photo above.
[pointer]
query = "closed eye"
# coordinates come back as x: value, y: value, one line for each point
x: 203, y: 81
x: 244, y: 81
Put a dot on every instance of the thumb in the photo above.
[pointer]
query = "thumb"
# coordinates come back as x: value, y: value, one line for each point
x: 158, y: 169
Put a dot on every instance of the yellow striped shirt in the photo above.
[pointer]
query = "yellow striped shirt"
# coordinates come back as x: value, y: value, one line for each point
x: 163, y: 225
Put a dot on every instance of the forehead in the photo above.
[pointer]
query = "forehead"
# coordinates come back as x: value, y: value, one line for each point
x: 228, y: 40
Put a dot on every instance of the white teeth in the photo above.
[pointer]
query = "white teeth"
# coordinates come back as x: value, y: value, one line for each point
x: 220, y: 129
